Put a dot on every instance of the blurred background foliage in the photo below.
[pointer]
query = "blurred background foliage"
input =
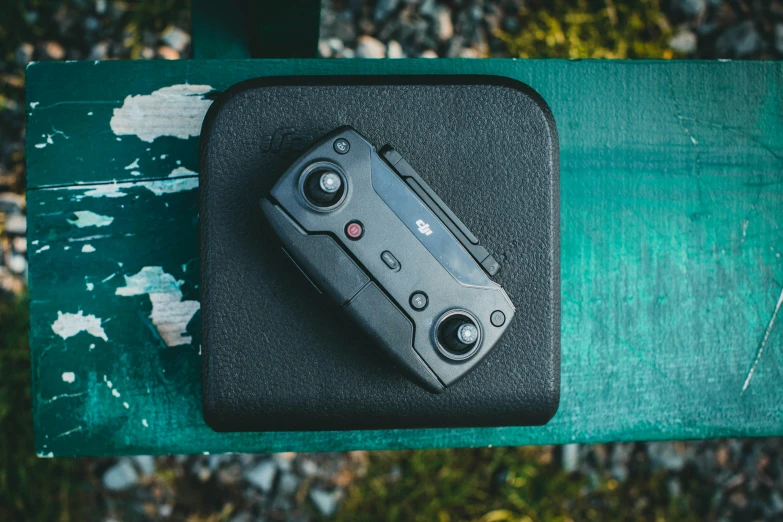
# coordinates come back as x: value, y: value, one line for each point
x: 590, y: 29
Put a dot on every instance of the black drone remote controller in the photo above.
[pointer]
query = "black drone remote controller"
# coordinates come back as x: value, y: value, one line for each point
x: 367, y: 231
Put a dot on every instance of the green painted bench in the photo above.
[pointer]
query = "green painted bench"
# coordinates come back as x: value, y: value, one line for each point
x: 671, y: 245
x: 672, y: 276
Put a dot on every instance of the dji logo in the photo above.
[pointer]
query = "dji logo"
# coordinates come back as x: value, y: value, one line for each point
x: 285, y: 140
x: 424, y: 228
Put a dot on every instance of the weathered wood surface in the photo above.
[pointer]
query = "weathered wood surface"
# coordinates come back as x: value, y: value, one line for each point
x: 672, y: 201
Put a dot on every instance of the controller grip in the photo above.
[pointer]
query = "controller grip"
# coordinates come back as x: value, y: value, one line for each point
x: 324, y: 263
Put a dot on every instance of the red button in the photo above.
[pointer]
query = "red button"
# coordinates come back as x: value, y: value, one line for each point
x: 354, y: 230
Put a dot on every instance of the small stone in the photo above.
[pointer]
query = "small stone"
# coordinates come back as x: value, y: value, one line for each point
x: 99, y: 51
x: 469, y: 52
x: 683, y: 42
x: 308, y: 467
x: 336, y: 45
x: 779, y: 38
x: 369, y: 47
x: 175, y: 38
x: 53, y: 51
x: 146, y: 464
x: 284, y: 460
x: 20, y: 245
x: 120, y: 476
x: 167, y: 53
x: 394, y: 50
x: 24, y: 53
x: 445, y: 27
x: 324, y: 51
x: 690, y: 8
x: 288, y: 484
x: 741, y: 40
x: 570, y: 457
x: 384, y: 8
x: 324, y: 501
x: 263, y: 475
x: 429, y: 53
x: 15, y: 224
x: 17, y: 263
x: 91, y: 24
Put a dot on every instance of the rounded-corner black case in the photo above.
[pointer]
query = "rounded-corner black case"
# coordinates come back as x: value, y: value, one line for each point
x: 279, y: 356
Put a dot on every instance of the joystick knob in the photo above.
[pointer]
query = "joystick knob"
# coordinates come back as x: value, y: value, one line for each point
x: 467, y: 333
x: 323, y: 186
x: 457, y: 334
x: 330, y: 182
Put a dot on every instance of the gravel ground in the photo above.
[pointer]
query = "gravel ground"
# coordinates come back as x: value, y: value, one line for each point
x: 734, y: 479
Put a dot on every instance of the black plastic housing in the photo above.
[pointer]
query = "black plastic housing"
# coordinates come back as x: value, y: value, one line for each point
x: 276, y: 354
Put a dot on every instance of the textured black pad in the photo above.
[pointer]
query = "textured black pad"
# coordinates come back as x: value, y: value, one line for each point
x: 277, y: 355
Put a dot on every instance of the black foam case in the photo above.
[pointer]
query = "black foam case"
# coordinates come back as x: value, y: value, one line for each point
x: 277, y: 355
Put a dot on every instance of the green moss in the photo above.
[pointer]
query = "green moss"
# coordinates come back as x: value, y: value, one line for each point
x: 31, y: 488
x: 506, y: 485
x: 590, y: 29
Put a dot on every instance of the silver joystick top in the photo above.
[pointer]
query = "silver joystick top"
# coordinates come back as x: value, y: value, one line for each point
x: 467, y: 333
x: 330, y: 182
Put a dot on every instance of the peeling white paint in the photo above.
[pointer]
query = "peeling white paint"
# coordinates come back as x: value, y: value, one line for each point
x: 135, y: 173
x: 177, y: 110
x: 182, y: 171
x: 126, y: 405
x: 33, y: 105
x: 42, y: 249
x: 179, y: 183
x: 92, y: 347
x: 115, y: 393
x: 69, y: 377
x: 85, y: 218
x: 144, y: 421
x: 89, y: 113
x: 67, y: 325
x: 133, y: 165
x: 90, y: 287
x: 170, y: 314
x: 171, y: 186
x: 49, y: 455
x: 87, y: 249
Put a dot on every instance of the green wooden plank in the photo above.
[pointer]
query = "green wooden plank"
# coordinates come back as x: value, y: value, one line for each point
x: 671, y: 205
x: 244, y: 28
x: 220, y: 29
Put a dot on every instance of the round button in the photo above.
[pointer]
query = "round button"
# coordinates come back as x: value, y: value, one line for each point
x: 497, y: 318
x: 419, y: 301
x: 354, y: 230
x: 341, y: 146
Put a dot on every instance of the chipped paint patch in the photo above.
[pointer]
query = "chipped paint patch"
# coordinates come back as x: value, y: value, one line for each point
x: 177, y: 110
x: 49, y: 455
x: 144, y: 422
x: 42, y: 249
x: 87, y: 249
x: 182, y: 171
x: 115, y: 393
x: 171, y: 186
x: 67, y: 325
x: 133, y: 165
x: 170, y: 314
x: 33, y: 105
x: 90, y: 287
x: 85, y: 218
x: 127, y: 406
x: 69, y: 377
x: 181, y: 181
